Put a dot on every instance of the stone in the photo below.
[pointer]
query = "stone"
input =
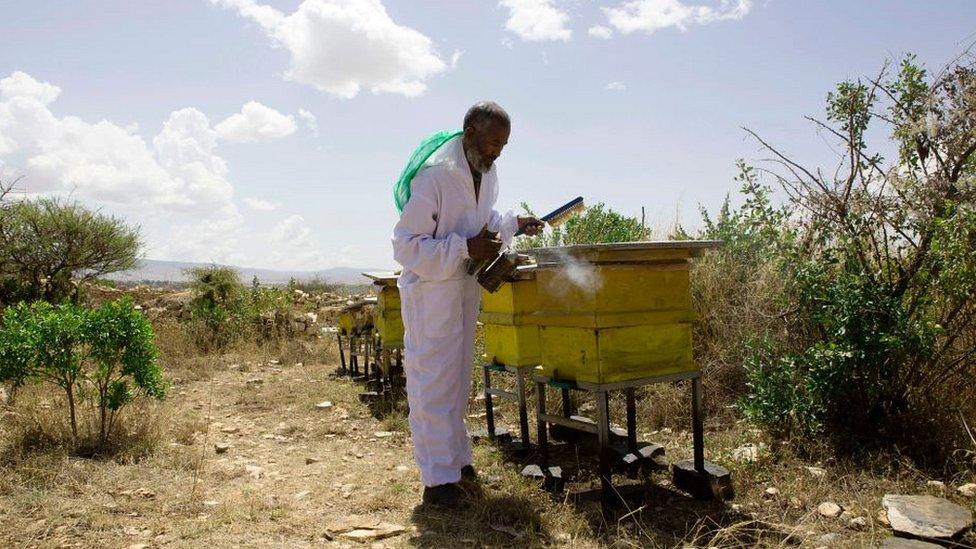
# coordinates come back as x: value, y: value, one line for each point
x: 364, y: 529
x: 714, y: 482
x: 829, y: 539
x: 926, y: 516
x: 937, y: 484
x: 211, y: 503
x: 829, y: 509
x: 383, y: 434
x: 967, y: 490
x: 230, y: 430
x: 254, y: 381
x: 771, y: 492
x: 324, y: 405
x: 311, y: 460
x: 303, y: 494
x: 882, y: 517
x: 902, y: 543
x: 401, y: 468
x: 817, y: 472
x: 255, y: 471
x: 796, y: 503
x: 221, y: 447
x: 747, y: 453
x: 857, y: 523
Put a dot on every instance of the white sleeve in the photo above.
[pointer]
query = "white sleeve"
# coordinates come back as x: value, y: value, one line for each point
x: 414, y: 245
x: 505, y: 224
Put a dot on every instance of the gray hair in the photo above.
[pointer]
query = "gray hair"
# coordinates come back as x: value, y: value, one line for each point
x: 483, y: 112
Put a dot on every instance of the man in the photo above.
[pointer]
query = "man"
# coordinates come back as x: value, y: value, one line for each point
x: 448, y: 221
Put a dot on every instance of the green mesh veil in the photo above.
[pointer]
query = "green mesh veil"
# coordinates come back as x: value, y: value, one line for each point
x: 427, y: 147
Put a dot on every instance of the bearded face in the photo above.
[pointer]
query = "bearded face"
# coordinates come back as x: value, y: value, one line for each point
x: 483, y: 145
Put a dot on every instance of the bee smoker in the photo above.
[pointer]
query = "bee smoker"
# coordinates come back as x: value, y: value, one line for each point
x: 500, y: 270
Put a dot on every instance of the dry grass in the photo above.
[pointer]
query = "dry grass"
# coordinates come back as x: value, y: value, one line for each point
x: 320, y: 466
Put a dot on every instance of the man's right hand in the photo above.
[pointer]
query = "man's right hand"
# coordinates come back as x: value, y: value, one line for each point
x: 484, y: 246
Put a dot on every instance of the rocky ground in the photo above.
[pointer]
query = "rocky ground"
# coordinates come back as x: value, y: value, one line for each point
x: 253, y: 451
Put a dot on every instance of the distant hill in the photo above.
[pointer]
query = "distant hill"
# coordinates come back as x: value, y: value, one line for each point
x: 172, y: 271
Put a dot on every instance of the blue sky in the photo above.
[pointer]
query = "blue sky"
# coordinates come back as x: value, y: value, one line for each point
x: 192, y: 118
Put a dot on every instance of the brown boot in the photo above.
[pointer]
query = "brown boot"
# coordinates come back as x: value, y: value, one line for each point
x: 443, y: 495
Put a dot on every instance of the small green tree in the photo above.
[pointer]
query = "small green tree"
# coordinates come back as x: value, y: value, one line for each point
x: 50, y: 246
x: 219, y: 305
x: 107, y: 354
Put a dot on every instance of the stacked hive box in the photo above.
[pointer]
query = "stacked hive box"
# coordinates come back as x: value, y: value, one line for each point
x: 510, y: 329
x: 615, y: 312
x: 387, y: 319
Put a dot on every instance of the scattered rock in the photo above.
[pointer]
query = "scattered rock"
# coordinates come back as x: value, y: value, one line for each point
x: 230, y: 430
x: 902, y: 543
x: 771, y: 492
x: 926, y: 516
x: 967, y: 490
x: 817, y: 472
x: 211, y: 503
x: 401, y: 468
x: 254, y: 381
x: 324, y: 405
x: 937, y: 484
x: 830, y: 540
x: 383, y: 434
x: 255, y: 471
x: 882, y: 517
x: 857, y: 523
x: 364, y: 529
x: 138, y: 546
x: 303, y: 494
x: 796, y: 503
x: 829, y: 509
x: 146, y: 494
x: 748, y: 453
x: 311, y: 460
x: 221, y: 447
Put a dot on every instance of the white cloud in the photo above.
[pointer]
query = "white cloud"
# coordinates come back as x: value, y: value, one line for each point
x: 649, y: 16
x: 344, y: 46
x: 175, y: 186
x: 537, y: 20
x: 293, y: 244
x: 616, y: 86
x: 600, y: 31
x: 311, y: 123
x: 256, y: 122
x: 261, y: 205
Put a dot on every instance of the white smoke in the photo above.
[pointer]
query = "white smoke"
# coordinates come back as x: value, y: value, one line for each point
x: 573, y: 271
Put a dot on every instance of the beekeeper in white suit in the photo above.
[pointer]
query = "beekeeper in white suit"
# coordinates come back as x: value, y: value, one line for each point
x: 449, y: 220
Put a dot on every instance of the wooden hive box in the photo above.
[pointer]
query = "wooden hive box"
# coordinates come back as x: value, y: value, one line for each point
x: 387, y: 318
x: 616, y: 312
x: 510, y: 330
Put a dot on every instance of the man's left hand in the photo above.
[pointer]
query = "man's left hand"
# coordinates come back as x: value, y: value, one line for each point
x: 531, y: 225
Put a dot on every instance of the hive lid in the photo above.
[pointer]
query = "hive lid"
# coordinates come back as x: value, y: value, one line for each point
x: 622, y: 251
x: 383, y: 277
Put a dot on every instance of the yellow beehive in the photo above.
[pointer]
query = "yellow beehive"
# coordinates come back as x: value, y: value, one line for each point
x: 356, y: 318
x: 616, y: 312
x: 387, y: 318
x: 510, y: 330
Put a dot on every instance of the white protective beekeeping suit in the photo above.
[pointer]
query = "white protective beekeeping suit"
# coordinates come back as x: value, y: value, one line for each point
x: 439, y: 303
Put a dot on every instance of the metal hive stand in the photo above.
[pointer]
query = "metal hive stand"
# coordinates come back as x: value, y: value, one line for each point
x: 518, y: 397
x: 698, y: 477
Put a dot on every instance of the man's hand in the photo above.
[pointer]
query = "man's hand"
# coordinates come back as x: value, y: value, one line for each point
x: 531, y: 225
x: 484, y: 246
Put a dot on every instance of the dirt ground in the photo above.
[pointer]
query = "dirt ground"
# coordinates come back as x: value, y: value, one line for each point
x: 294, y: 474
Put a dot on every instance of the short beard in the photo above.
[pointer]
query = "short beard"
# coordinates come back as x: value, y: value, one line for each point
x: 477, y: 161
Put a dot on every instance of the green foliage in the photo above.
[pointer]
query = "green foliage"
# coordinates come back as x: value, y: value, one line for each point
x: 106, y: 356
x: 223, y: 310
x: 595, y: 225
x: 876, y: 333
x: 50, y: 246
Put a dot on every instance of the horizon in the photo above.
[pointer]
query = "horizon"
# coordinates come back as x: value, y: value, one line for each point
x: 269, y: 133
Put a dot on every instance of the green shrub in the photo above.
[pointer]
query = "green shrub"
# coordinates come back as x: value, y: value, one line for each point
x: 105, y: 356
x: 874, y: 342
x: 595, y: 225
